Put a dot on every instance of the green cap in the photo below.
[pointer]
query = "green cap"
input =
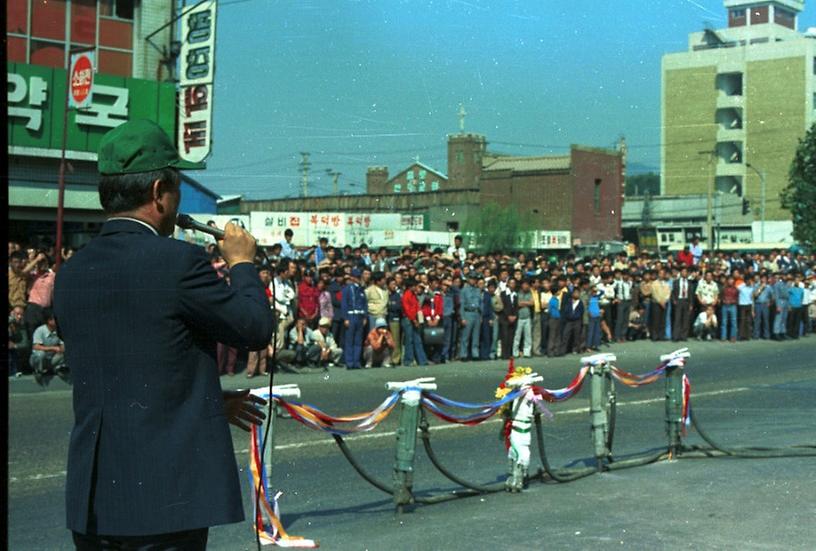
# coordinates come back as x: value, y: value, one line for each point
x: 139, y: 146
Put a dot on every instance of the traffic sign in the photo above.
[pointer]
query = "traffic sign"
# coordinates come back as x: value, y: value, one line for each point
x: 81, y: 80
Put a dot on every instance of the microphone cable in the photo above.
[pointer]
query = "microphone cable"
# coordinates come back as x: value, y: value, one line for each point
x: 271, y: 370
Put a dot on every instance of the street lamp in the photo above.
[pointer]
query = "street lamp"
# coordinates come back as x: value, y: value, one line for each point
x: 761, y: 175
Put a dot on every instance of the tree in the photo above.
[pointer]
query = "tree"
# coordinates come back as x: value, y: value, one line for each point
x: 498, y: 228
x: 800, y: 195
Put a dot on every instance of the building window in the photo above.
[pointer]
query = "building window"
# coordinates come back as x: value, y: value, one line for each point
x: 784, y: 17
x: 434, y: 186
x: 759, y: 15
x: 596, y: 198
x: 397, y: 188
x: 736, y: 18
x: 452, y: 226
x: 460, y: 157
x: 121, y: 9
x: 46, y: 43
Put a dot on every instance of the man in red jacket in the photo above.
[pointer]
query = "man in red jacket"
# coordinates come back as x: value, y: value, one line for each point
x: 411, y: 326
x: 685, y: 257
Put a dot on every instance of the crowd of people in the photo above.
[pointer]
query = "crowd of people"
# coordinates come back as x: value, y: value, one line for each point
x: 360, y: 308
x: 355, y: 307
x: 34, y: 345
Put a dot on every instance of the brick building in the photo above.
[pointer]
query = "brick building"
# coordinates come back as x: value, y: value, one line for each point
x: 581, y: 192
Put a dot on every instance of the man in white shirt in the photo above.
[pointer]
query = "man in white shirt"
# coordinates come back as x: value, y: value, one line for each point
x: 705, y: 326
x: 457, y: 249
x: 696, y: 250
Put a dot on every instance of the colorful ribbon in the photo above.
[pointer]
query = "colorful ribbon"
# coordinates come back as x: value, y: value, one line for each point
x: 272, y: 531
x: 316, y: 419
x: 630, y: 379
x: 565, y: 393
x: 686, y: 403
x: 432, y: 401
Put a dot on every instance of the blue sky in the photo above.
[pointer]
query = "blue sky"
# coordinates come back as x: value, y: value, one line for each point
x: 360, y: 83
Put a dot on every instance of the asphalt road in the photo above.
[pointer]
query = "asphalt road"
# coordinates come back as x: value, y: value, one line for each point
x: 756, y: 393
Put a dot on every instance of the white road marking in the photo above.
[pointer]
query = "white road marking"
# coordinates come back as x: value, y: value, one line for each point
x: 391, y: 434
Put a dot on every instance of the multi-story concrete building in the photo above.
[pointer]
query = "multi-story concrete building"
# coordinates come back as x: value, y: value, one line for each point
x: 735, y: 105
x: 135, y: 49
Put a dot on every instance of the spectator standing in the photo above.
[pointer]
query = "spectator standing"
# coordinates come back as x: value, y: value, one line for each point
x: 660, y: 297
x: 470, y: 313
x: 18, y: 273
x: 308, y: 304
x: 488, y: 317
x: 696, y: 250
x: 432, y: 307
x: 457, y: 250
x: 335, y: 289
x: 708, y: 292
x: 324, y: 299
x: 395, y: 318
x: 593, y: 339
x: 796, y: 298
x: 450, y: 301
x: 353, y: 310
x: 623, y: 304
x: 524, y: 328
x: 682, y: 306
x: 763, y: 294
x: 780, y: 298
x: 257, y: 359
x: 284, y: 300
x: 554, y: 330
x: 40, y: 293
x: 572, y: 312
x: 508, y: 319
x: 412, y: 326
x: 377, y: 298
x: 287, y: 250
x: 730, y: 299
x: 545, y: 294
x: 745, y: 308
x: 535, y: 287
x: 19, y: 345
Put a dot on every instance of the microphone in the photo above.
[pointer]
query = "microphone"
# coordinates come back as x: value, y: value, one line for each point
x: 186, y: 222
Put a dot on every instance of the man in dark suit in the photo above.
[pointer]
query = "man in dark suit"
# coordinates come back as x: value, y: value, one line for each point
x: 508, y: 318
x: 682, y: 304
x: 151, y: 463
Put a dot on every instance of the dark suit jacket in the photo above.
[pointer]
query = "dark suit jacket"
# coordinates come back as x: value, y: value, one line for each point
x: 151, y: 451
x: 510, y: 305
x: 570, y: 314
x: 691, y: 288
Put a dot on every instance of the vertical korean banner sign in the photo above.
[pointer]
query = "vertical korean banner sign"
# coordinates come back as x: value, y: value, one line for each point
x: 197, y: 71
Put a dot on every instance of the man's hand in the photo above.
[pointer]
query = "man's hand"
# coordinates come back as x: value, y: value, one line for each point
x: 237, y: 246
x: 240, y: 408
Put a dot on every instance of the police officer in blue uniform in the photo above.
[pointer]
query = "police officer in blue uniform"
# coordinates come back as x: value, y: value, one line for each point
x: 353, y: 311
x: 470, y: 312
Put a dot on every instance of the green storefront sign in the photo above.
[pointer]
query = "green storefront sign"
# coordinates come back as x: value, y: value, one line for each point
x: 36, y: 103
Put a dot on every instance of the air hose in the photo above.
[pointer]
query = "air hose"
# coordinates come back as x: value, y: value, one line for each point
x: 751, y: 453
x: 562, y: 475
x: 426, y: 442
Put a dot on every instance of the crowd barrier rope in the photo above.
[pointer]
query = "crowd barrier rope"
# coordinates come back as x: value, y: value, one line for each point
x: 520, y: 401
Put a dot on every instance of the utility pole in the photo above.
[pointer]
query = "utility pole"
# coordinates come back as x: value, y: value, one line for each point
x: 304, y: 173
x: 712, y: 155
x: 761, y: 174
x: 335, y: 178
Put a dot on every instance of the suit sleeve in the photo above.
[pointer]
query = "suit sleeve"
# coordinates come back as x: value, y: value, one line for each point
x: 236, y: 315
